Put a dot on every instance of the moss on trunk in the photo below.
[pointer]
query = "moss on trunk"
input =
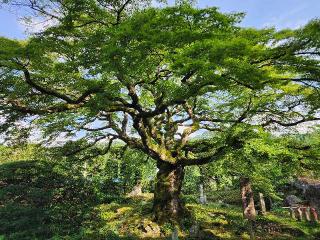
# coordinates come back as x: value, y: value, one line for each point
x: 167, y: 205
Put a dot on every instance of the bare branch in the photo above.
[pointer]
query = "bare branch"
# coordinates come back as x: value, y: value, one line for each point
x: 120, y: 10
x: 284, y: 124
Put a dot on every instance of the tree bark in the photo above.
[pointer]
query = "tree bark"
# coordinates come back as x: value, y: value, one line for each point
x: 167, y: 205
x: 249, y: 211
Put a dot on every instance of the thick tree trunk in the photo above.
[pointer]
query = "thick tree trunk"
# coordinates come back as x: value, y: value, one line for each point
x: 249, y: 211
x: 167, y: 205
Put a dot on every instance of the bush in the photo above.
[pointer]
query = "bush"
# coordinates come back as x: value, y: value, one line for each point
x: 40, y: 199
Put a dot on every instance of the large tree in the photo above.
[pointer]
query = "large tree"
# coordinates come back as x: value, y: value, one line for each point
x: 153, y: 78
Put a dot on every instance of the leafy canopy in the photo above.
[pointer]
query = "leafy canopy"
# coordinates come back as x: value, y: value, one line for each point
x: 155, y: 77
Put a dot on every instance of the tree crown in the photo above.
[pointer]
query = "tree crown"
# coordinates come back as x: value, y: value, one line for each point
x: 155, y: 77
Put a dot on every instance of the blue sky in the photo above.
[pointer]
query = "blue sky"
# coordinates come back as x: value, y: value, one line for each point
x: 260, y: 13
x: 266, y: 13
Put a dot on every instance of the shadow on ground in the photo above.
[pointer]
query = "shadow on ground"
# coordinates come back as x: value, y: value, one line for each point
x: 44, y: 200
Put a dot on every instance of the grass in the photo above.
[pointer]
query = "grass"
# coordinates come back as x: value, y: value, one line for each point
x: 133, y: 220
x: 39, y: 201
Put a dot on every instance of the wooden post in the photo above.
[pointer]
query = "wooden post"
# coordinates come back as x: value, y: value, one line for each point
x: 270, y: 203
x: 203, y: 198
x: 307, y: 214
x: 251, y: 229
x: 292, y: 213
x: 314, y: 214
x: 299, y: 213
x: 262, y: 204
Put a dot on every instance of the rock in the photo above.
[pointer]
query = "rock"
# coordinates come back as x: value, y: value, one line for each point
x: 150, y: 229
x: 311, y: 191
x: 292, y: 200
x: 136, y: 191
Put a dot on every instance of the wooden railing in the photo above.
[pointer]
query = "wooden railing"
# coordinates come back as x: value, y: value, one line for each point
x: 300, y: 213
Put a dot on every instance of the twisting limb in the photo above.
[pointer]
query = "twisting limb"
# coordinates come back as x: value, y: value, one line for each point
x: 16, y: 105
x: 120, y: 10
x: 284, y: 124
x: 56, y: 94
x: 80, y: 149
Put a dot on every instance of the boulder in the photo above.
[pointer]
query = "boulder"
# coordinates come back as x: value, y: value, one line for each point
x: 311, y: 190
x: 292, y: 200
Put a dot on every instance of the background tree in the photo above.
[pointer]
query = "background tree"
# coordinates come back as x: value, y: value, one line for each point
x: 306, y: 147
x: 155, y: 77
x: 269, y: 162
x: 118, y: 172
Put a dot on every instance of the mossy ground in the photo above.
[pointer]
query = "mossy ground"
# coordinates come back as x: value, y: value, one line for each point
x: 132, y: 219
x: 39, y: 201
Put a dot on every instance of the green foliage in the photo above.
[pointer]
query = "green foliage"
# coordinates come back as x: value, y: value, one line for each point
x: 270, y: 162
x: 40, y: 200
x: 191, y: 180
x: 306, y: 146
x: 60, y: 199
x: 153, y: 78
x: 116, y: 173
x: 136, y: 73
x: 23, y: 152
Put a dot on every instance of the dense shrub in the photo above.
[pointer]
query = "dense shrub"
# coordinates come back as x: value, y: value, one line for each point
x: 40, y: 199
